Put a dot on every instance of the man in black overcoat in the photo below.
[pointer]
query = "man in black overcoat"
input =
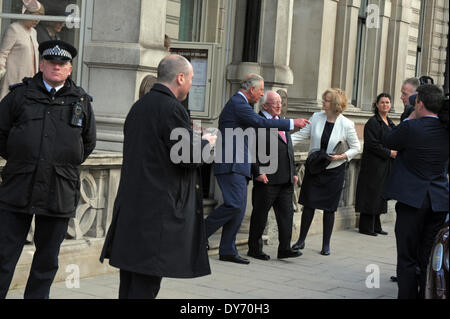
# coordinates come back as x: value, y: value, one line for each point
x: 47, y: 130
x: 157, y: 228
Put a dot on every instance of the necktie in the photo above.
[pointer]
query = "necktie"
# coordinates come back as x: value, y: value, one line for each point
x: 52, y: 92
x: 281, y: 133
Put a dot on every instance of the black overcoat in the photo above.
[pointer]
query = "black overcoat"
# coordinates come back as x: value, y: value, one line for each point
x: 375, y: 168
x: 43, y: 148
x: 157, y: 227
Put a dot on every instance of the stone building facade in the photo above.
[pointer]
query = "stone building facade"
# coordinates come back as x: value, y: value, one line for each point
x: 303, y: 47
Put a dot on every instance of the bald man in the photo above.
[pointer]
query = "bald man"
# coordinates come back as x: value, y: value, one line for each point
x: 157, y: 228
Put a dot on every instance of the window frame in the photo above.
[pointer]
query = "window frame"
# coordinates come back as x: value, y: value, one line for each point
x: 81, y: 21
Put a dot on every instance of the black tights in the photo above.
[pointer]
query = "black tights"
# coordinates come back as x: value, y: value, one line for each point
x: 328, y: 223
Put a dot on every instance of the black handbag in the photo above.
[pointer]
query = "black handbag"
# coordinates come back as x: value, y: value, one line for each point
x: 317, y: 162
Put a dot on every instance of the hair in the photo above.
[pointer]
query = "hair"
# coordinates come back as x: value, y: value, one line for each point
x: 41, y: 11
x: 374, y: 106
x: 167, y: 42
x: 252, y: 80
x: 146, y: 85
x: 338, y: 100
x: 431, y: 96
x: 172, y: 65
x: 414, y: 82
x: 266, y: 95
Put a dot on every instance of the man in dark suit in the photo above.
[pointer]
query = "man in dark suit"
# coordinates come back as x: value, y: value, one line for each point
x: 157, y: 228
x: 232, y: 167
x: 419, y: 183
x: 273, y: 190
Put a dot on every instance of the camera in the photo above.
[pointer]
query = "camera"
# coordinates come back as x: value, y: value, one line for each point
x: 77, y: 115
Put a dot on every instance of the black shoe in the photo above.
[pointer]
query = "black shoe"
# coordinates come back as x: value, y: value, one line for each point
x: 234, y: 259
x: 289, y: 254
x: 368, y: 233
x: 382, y: 232
x: 260, y: 255
x: 299, y: 245
x: 325, y: 252
x: 394, y: 279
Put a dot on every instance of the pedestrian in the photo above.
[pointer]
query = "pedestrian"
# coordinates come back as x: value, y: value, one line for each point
x: 330, y: 134
x: 409, y: 88
x: 47, y: 130
x: 375, y: 168
x: 19, y: 55
x: 419, y: 183
x: 157, y: 228
x: 233, y: 176
x: 273, y: 190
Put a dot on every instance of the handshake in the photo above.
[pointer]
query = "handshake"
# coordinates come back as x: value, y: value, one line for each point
x: 301, y: 123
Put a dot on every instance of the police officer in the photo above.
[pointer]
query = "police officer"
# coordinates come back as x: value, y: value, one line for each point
x: 47, y: 129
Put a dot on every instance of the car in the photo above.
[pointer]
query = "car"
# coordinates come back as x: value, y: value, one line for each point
x: 437, y: 271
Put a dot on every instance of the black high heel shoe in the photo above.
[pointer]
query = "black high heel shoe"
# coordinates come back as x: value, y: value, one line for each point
x: 299, y: 245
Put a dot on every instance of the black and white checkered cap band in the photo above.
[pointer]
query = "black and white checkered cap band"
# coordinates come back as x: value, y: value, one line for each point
x: 57, y: 51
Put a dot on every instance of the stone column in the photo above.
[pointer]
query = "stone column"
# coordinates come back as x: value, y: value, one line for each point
x: 273, y: 49
x: 345, y: 47
x: 312, y: 52
x: 397, y: 51
x: 375, y: 53
x: 127, y: 43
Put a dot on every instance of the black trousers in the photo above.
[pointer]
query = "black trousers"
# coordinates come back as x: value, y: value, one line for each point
x: 48, y: 236
x: 369, y: 223
x: 138, y: 286
x: 415, y: 230
x: 263, y: 198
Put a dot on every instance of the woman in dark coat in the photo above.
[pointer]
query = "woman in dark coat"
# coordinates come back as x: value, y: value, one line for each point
x: 375, y: 167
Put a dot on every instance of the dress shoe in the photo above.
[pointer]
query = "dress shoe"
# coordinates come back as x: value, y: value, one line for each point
x: 368, y: 233
x: 299, y: 245
x: 234, y: 259
x: 325, y: 252
x: 382, y: 232
x: 260, y: 255
x: 289, y: 253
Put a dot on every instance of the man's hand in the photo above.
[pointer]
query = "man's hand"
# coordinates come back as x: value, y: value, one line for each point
x: 301, y: 123
x: 210, y: 138
x: 393, y: 154
x: 295, y: 180
x: 263, y: 179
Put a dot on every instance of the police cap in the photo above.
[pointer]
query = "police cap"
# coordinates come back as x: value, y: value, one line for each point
x: 57, y: 50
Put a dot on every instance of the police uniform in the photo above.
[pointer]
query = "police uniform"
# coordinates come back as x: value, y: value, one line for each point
x: 46, y: 133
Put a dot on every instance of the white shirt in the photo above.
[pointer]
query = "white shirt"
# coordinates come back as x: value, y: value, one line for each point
x: 49, y: 87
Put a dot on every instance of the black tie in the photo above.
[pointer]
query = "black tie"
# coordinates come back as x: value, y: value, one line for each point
x: 53, y: 92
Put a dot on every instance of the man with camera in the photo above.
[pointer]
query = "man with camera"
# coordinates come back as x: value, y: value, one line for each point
x: 47, y: 130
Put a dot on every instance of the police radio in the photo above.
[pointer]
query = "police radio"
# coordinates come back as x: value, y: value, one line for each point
x: 77, y: 115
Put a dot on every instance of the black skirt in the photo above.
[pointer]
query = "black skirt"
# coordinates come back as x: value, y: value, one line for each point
x: 323, y: 191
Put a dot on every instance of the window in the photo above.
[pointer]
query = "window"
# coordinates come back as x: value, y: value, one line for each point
x: 190, y: 20
x: 62, y: 20
x: 360, y: 48
x: 420, y: 39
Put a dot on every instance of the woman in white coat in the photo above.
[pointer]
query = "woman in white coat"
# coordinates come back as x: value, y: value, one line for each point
x: 19, y: 55
x: 328, y: 131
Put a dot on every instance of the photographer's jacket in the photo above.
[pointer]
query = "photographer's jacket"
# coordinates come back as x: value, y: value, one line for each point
x: 44, y: 142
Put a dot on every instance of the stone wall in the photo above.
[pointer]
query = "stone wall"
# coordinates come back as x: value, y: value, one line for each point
x: 100, y: 179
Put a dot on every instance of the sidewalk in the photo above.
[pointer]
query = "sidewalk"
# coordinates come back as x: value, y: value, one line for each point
x: 311, y: 276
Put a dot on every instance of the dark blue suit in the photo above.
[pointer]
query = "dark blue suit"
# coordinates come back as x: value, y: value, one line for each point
x: 419, y: 183
x: 232, y: 176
